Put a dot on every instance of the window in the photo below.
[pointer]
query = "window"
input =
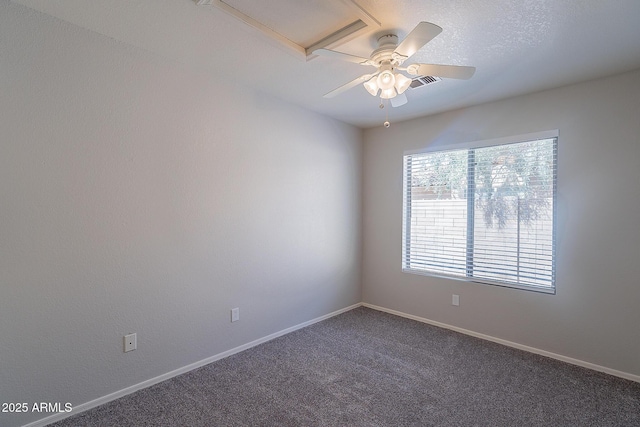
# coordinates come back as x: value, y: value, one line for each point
x: 485, y: 213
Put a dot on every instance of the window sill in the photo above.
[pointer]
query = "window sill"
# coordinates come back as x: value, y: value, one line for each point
x: 540, y: 289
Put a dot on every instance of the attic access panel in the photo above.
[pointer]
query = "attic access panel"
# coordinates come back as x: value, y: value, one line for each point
x: 301, y: 27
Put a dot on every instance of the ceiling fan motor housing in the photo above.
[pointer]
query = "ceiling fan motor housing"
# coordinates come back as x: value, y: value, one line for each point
x: 384, y: 53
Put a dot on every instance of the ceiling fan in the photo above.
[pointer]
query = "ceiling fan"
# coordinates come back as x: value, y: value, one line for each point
x: 388, y: 58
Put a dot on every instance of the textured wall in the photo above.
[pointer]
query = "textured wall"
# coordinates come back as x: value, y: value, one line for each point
x: 594, y: 316
x: 140, y: 196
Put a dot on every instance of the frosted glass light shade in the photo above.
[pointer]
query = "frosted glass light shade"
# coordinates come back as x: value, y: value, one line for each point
x: 388, y: 93
x: 372, y: 86
x: 386, y: 80
x: 402, y: 82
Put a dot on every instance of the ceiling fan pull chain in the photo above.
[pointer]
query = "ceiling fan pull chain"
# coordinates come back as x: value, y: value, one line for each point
x: 386, y: 122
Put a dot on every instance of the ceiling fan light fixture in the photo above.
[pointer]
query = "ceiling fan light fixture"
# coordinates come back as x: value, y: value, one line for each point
x: 402, y: 83
x: 389, y: 79
x: 372, y: 86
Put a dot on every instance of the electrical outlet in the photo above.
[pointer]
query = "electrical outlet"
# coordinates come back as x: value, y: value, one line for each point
x: 130, y: 342
x: 455, y: 300
x: 235, y: 314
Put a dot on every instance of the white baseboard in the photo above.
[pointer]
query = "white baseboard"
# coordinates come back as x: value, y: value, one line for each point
x: 556, y: 356
x: 113, y: 396
x: 148, y: 383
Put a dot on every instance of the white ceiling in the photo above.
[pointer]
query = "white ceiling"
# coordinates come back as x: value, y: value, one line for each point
x: 516, y: 46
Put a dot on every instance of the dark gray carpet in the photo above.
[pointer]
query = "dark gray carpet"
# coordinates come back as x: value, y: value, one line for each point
x: 367, y: 368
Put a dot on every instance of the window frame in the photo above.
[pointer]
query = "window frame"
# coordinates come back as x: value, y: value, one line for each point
x: 406, y: 215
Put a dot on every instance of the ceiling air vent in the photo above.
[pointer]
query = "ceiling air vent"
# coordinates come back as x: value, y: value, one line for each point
x: 423, y: 81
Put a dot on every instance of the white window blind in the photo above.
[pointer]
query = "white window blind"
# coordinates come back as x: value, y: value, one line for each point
x: 483, y: 213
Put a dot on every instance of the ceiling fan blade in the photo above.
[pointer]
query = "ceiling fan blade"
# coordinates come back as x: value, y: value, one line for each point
x: 446, y: 71
x: 398, y: 100
x: 342, y: 56
x: 352, y: 83
x: 422, y: 34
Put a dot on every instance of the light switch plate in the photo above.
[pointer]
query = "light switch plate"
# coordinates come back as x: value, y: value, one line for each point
x: 455, y: 300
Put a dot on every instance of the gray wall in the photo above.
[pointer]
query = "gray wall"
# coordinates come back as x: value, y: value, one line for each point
x: 594, y: 316
x: 141, y: 196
